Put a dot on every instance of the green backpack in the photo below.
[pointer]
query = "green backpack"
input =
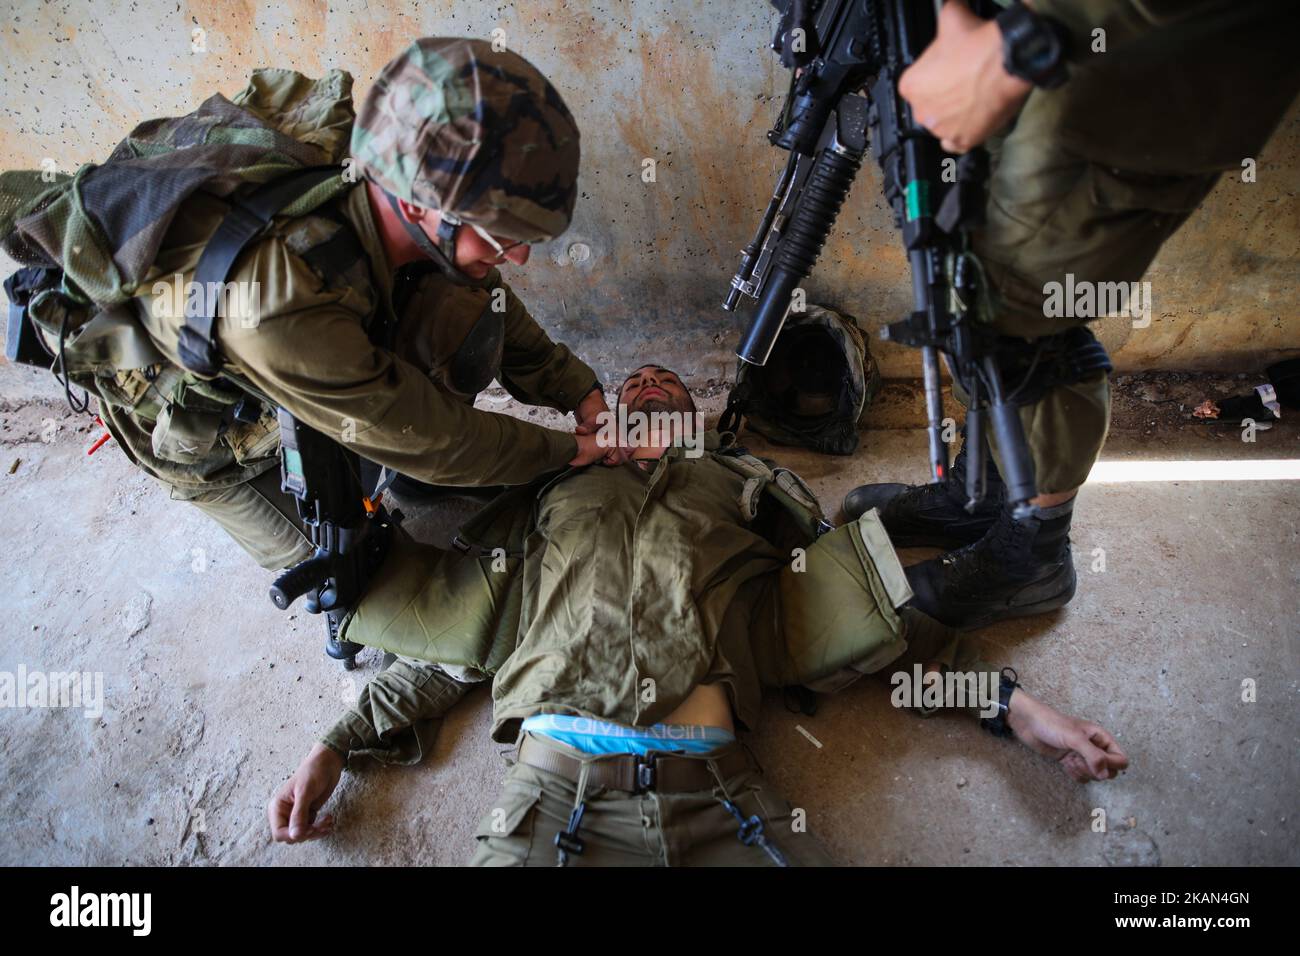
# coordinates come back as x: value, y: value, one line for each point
x: 87, y: 241
x: 814, y: 389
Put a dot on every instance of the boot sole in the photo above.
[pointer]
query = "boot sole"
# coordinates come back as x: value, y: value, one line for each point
x: 1028, y: 610
x: 1046, y: 605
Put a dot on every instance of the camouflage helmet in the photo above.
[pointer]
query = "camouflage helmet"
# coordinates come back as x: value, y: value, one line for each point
x: 453, y: 125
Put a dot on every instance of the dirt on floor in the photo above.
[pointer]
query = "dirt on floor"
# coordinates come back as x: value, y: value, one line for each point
x: 1182, y: 640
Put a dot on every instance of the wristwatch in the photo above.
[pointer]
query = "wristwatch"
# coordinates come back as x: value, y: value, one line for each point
x: 1033, y: 47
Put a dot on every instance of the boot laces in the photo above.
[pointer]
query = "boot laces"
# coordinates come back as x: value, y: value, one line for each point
x: 971, y: 569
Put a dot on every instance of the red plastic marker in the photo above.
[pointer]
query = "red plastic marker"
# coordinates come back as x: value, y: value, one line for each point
x: 99, y: 442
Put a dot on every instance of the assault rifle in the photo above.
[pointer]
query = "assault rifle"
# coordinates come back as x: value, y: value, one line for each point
x: 350, y: 531
x: 846, y: 57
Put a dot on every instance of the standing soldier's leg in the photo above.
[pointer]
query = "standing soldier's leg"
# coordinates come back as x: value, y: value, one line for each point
x: 1084, y: 191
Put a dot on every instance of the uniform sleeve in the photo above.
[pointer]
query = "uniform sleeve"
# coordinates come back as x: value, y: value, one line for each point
x: 310, y: 353
x: 396, y: 718
x: 1122, y: 20
x: 537, y: 371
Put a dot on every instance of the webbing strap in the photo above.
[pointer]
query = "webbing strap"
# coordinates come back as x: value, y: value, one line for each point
x: 634, y: 773
x: 246, y: 219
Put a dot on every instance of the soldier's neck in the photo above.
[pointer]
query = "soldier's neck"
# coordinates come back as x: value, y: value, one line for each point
x: 653, y: 448
x: 398, y: 246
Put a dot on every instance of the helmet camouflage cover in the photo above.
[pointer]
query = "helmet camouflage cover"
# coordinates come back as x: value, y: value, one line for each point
x: 453, y: 125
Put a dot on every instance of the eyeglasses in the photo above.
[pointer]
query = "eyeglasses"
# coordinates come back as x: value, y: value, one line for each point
x: 496, y: 244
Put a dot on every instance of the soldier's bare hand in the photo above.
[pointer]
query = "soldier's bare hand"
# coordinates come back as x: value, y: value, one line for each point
x: 590, y: 451
x: 292, y: 811
x: 958, y: 88
x: 589, y: 411
x: 1084, y: 750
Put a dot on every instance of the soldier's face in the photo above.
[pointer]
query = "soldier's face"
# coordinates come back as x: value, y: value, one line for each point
x: 476, y: 252
x: 476, y: 255
x: 653, y: 388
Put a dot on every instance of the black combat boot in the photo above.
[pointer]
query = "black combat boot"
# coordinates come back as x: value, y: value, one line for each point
x: 1021, y: 567
x: 933, y: 515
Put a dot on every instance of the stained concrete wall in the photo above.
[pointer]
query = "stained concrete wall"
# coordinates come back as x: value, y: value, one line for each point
x: 688, y: 83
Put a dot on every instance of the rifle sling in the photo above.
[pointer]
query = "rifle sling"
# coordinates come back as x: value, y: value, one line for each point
x: 248, y: 217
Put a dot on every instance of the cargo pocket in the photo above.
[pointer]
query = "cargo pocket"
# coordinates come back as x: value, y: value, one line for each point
x: 894, y: 591
x: 186, y: 436
x: 505, y: 834
x: 1122, y: 190
x: 1128, y: 217
x: 434, y: 605
x: 254, y: 442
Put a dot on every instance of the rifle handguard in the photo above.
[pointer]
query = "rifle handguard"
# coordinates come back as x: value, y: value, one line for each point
x: 828, y: 185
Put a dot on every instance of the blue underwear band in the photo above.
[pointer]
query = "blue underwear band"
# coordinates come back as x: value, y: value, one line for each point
x: 606, y: 737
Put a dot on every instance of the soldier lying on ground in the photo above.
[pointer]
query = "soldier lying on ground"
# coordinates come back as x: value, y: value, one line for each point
x: 629, y: 617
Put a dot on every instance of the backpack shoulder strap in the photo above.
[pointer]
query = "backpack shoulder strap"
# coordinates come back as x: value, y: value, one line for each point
x: 246, y: 219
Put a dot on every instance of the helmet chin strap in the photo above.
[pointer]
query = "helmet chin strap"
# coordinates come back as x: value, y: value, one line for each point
x: 443, y: 253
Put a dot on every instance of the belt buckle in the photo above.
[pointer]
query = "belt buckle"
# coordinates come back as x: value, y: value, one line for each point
x: 645, y: 774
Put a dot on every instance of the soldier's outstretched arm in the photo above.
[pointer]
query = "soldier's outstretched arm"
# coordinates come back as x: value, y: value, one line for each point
x: 1084, y: 750
x: 311, y: 354
x: 397, y: 713
x: 843, y: 613
x: 395, y: 720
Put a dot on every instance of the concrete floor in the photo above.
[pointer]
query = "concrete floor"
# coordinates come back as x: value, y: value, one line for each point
x: 211, y: 695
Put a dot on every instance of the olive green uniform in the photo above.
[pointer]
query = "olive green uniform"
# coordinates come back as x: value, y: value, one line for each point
x: 308, y: 347
x: 612, y: 593
x: 1097, y: 174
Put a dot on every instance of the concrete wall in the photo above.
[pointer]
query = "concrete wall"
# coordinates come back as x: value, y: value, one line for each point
x: 687, y: 83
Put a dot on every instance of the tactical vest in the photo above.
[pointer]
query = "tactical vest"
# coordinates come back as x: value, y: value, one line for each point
x: 90, y: 240
x: 197, y: 429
